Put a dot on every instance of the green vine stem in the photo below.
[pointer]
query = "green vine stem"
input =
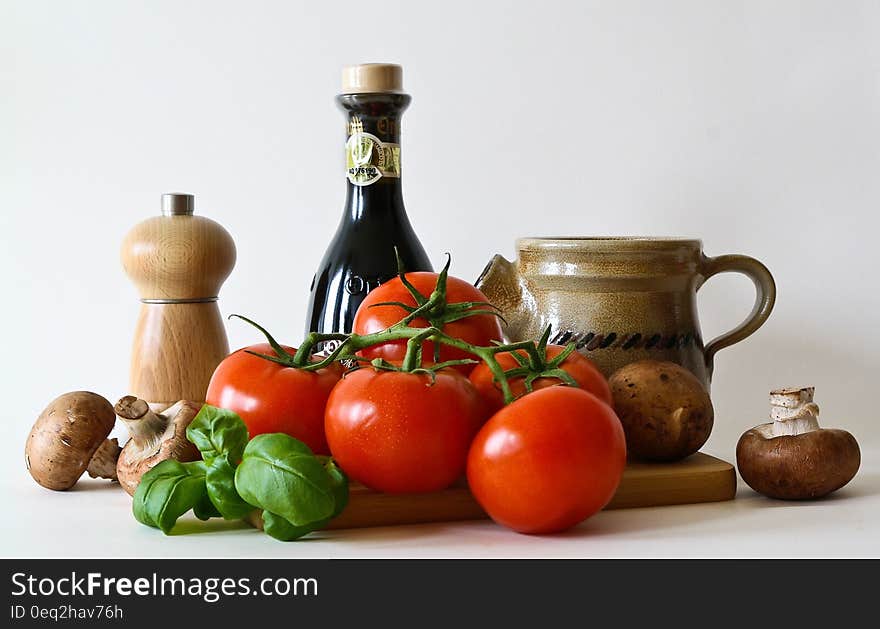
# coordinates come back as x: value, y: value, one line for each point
x: 531, y: 355
x: 416, y: 337
x: 535, y: 366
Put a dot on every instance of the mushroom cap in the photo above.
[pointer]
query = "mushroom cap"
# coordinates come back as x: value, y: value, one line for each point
x: 665, y: 411
x: 797, y: 467
x: 65, y: 436
x: 137, y: 458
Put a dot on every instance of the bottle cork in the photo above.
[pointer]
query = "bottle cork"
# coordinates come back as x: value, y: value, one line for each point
x: 372, y: 78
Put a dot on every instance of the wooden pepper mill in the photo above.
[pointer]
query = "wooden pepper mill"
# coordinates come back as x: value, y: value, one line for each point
x: 178, y: 263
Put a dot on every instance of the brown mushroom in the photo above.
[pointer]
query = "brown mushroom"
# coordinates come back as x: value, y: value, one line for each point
x: 792, y: 458
x: 156, y: 435
x: 70, y: 437
x: 665, y: 411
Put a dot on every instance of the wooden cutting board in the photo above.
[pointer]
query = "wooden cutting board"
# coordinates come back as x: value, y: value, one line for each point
x: 698, y: 478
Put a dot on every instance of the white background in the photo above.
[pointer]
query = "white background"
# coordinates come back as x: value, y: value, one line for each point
x: 751, y: 125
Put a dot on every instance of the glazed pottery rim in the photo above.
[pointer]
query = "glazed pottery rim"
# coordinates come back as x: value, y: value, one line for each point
x: 608, y: 243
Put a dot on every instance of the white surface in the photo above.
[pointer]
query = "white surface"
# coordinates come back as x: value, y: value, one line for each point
x: 752, y: 125
x: 94, y: 521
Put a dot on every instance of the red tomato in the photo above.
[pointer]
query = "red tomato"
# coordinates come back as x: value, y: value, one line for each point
x: 578, y: 366
x: 398, y: 433
x: 479, y: 329
x: 548, y: 460
x: 273, y: 398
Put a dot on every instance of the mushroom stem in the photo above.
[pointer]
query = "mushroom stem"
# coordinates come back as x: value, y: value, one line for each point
x: 144, y: 426
x: 103, y: 462
x: 793, y: 412
x: 156, y: 435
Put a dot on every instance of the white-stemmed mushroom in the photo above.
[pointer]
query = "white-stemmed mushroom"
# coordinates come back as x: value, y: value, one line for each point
x: 792, y: 458
x: 156, y: 435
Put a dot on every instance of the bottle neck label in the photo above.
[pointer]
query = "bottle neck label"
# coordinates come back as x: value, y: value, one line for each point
x: 367, y: 158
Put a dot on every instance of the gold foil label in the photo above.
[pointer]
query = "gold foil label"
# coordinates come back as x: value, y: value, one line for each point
x: 367, y: 158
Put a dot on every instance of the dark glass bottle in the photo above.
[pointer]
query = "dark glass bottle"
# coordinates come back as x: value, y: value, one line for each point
x: 374, y: 221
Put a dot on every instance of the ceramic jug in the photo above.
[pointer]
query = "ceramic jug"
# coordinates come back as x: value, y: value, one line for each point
x: 620, y: 299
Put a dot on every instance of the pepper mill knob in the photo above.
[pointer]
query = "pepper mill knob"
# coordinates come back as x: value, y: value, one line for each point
x: 178, y: 261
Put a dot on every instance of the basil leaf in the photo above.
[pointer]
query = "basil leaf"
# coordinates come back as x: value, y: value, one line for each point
x: 217, y: 431
x: 205, y: 509
x: 276, y: 526
x: 220, y: 479
x: 276, y: 445
x: 279, y: 528
x: 338, y: 485
x: 280, y: 474
x: 168, y: 491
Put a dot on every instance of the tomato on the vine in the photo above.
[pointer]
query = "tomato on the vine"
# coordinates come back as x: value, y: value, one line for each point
x: 400, y: 432
x: 477, y: 329
x: 548, y: 460
x: 270, y: 397
x: 578, y: 366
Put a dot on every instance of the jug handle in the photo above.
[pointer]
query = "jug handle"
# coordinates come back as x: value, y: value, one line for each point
x: 765, y: 297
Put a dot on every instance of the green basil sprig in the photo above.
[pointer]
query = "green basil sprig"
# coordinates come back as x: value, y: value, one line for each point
x: 168, y: 491
x: 217, y: 432
x: 281, y: 475
x: 220, y: 479
x: 279, y: 528
x: 297, y: 491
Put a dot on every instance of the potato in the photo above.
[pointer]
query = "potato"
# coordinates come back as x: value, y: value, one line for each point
x: 665, y: 411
